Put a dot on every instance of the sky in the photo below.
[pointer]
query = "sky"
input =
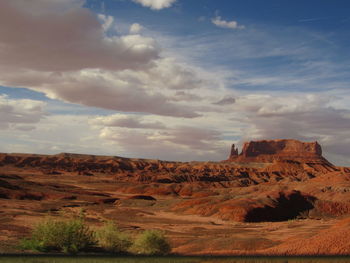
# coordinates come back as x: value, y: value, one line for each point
x: 173, y: 79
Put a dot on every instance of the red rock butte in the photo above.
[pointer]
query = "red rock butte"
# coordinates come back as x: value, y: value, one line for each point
x: 268, y: 151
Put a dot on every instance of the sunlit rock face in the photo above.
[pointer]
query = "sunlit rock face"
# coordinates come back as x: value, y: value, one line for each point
x: 277, y: 150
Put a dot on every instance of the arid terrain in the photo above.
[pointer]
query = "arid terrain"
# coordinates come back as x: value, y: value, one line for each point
x: 277, y: 197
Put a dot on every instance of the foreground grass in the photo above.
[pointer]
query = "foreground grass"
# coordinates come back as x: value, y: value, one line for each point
x: 133, y: 259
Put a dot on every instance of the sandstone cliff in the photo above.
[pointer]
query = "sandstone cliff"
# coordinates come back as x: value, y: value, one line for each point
x: 268, y: 151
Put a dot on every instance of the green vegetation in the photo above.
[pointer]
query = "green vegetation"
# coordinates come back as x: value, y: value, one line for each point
x: 74, y: 235
x: 69, y: 236
x: 151, y: 242
x: 112, y: 240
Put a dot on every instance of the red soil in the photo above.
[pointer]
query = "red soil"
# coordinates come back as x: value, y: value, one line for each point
x: 333, y: 241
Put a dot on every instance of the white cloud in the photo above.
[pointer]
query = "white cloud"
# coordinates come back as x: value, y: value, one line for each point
x: 172, y: 75
x: 127, y: 135
x: 273, y: 105
x: 107, y: 21
x: 167, y: 138
x: 218, y: 21
x: 128, y: 91
x: 156, y: 4
x: 55, y: 134
x: 135, y: 28
x: 20, y: 113
x: 176, y: 143
x: 126, y: 121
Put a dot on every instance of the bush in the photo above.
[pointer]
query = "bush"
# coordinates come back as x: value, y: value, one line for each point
x: 67, y: 236
x: 112, y: 240
x: 151, y: 242
x: 30, y: 244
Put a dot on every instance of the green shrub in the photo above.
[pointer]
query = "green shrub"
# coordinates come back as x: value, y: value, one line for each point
x: 151, y: 242
x: 67, y: 236
x: 30, y: 244
x: 112, y: 240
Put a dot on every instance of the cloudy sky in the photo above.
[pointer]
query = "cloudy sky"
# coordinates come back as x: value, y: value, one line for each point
x: 173, y: 79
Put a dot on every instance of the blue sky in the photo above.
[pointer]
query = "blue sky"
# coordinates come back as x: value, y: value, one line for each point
x: 173, y: 79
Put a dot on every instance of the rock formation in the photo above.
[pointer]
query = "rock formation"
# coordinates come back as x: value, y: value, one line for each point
x: 268, y: 151
x: 234, y: 151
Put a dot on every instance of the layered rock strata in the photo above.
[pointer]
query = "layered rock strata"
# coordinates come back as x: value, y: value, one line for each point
x: 269, y: 151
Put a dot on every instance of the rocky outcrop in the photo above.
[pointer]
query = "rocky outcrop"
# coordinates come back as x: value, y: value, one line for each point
x: 234, y: 151
x: 268, y: 151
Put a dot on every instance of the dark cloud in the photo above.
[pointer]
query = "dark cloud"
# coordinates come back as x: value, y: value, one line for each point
x: 225, y: 101
x: 65, y: 39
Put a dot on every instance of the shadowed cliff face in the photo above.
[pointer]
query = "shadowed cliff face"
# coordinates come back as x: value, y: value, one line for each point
x: 286, y: 206
x: 276, y: 150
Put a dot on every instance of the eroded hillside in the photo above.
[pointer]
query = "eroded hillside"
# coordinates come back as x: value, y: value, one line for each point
x: 224, y: 204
